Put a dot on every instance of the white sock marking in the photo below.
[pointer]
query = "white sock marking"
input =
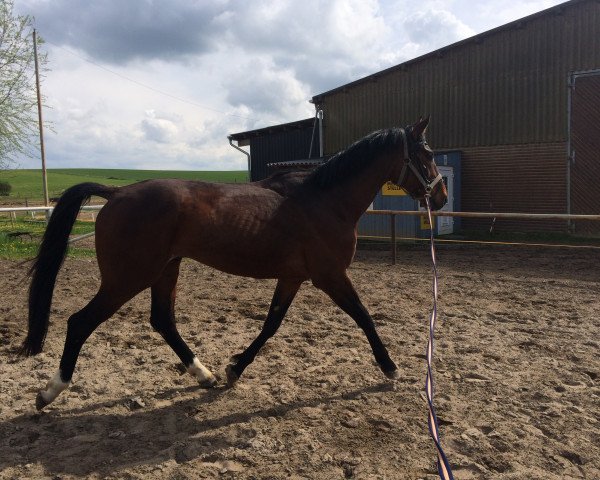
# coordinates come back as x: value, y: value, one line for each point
x: 200, y: 371
x: 53, y: 388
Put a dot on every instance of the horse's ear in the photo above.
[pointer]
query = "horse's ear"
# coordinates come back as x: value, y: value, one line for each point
x: 419, y: 128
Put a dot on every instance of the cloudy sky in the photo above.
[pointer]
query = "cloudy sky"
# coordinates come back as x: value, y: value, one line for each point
x: 155, y: 84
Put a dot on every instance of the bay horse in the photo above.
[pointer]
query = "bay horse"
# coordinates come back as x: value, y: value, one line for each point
x: 292, y: 227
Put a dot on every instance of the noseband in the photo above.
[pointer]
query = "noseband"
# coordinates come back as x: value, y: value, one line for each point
x: 417, y: 170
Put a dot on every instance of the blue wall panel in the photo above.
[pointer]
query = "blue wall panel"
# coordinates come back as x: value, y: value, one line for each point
x: 378, y: 226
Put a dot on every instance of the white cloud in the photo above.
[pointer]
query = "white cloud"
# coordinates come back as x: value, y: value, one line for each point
x: 432, y: 29
x: 261, y: 86
x: 161, y: 130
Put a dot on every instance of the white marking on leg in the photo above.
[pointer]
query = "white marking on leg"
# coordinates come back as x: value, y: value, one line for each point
x: 53, y: 388
x: 203, y: 374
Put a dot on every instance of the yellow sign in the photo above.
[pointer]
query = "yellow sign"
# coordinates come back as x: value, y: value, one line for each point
x: 425, y: 222
x: 390, y: 189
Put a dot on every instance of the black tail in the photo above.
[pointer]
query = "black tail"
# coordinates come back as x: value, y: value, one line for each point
x: 50, y: 257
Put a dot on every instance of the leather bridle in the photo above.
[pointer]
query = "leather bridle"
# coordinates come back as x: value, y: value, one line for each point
x: 418, y: 169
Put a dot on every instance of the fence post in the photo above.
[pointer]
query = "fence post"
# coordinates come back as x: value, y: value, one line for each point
x: 393, y: 235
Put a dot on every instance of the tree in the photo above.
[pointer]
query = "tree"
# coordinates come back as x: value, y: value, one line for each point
x: 18, y: 101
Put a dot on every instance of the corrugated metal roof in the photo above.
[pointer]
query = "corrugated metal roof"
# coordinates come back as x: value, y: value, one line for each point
x: 283, y: 127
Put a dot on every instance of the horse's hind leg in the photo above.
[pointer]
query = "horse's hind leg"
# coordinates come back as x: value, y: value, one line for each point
x: 162, y: 319
x: 342, y: 292
x: 282, y: 299
x: 79, y: 327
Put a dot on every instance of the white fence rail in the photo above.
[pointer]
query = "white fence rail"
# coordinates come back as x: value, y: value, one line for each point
x: 391, y: 213
x: 516, y: 216
x: 12, y: 211
x: 495, y: 215
x: 43, y: 209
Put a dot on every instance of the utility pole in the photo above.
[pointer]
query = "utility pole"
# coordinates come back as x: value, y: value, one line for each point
x: 41, y: 124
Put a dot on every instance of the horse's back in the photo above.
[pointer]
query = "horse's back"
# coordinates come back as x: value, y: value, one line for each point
x: 246, y: 229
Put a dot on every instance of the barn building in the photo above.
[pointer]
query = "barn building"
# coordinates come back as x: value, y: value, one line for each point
x: 518, y: 106
x: 296, y: 142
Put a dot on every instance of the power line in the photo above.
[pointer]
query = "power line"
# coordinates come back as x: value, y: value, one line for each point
x: 148, y: 87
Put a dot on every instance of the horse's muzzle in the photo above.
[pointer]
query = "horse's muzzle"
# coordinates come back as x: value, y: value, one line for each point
x: 435, y: 202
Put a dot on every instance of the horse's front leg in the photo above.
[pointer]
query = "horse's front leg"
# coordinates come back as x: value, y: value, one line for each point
x: 282, y: 299
x: 341, y: 291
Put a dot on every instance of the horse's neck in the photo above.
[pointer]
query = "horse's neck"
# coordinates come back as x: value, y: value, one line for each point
x: 355, y: 194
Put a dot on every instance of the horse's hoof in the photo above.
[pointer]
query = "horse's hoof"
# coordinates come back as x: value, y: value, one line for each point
x: 40, y: 402
x: 209, y: 382
x: 232, y: 377
x: 392, y: 374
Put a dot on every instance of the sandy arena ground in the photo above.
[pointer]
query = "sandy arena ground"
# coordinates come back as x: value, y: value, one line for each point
x: 517, y: 370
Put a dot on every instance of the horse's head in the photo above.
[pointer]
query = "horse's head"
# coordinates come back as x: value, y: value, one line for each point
x: 418, y: 173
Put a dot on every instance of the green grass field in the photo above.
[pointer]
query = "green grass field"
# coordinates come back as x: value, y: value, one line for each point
x: 27, y: 184
x: 20, y: 237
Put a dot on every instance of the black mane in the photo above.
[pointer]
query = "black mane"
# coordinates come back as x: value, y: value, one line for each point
x: 355, y: 158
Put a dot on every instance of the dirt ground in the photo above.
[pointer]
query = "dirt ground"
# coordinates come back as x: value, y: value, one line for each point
x: 517, y: 369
